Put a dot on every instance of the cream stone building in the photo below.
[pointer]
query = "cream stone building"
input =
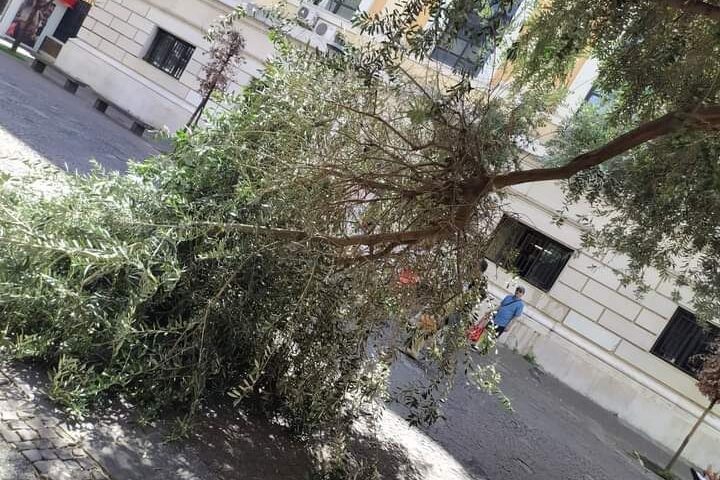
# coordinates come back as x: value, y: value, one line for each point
x: 633, y: 356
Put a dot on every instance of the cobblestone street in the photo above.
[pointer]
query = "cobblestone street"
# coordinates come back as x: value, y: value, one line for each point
x: 553, y: 432
x: 34, y: 442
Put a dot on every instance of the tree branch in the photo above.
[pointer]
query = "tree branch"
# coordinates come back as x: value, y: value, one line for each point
x: 700, y: 118
x: 467, y: 195
x: 382, y: 120
x: 695, y: 7
x: 398, y: 238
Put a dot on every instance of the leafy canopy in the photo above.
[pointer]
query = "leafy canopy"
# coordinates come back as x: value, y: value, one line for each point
x: 658, y: 63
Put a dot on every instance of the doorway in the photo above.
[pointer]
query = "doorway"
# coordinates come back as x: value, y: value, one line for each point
x: 71, y: 21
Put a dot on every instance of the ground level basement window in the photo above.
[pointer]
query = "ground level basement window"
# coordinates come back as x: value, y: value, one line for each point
x: 535, y: 257
x: 169, y: 53
x: 684, y: 340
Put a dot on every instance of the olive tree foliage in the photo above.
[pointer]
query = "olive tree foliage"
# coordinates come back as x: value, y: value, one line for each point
x: 265, y: 254
x: 660, y: 71
x: 262, y: 255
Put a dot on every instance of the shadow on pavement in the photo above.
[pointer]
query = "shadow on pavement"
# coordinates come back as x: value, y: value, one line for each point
x: 225, y: 444
x: 553, y: 432
x: 40, y: 116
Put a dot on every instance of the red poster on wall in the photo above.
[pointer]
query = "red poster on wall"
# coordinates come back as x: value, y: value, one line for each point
x: 30, y: 20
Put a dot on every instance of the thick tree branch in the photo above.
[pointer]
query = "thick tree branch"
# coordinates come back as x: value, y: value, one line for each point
x: 700, y: 118
x: 467, y: 194
x: 397, y: 238
x: 695, y: 7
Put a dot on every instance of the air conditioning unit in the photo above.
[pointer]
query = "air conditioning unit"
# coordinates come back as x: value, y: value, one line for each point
x: 307, y: 17
x: 325, y: 30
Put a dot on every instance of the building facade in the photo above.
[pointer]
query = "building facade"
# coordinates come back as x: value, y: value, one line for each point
x: 632, y: 355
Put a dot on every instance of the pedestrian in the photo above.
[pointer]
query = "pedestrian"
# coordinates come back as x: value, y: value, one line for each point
x: 510, y: 308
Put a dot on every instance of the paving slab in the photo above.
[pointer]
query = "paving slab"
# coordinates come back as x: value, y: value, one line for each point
x: 29, y: 447
x: 552, y: 433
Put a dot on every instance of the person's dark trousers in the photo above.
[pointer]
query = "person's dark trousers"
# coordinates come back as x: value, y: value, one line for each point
x: 498, y: 329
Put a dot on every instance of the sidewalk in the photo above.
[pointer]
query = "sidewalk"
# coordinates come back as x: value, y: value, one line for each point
x: 104, y: 446
x: 225, y: 444
x: 36, y: 443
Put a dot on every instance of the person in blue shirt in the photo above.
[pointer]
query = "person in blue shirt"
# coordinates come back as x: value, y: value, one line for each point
x: 510, y: 308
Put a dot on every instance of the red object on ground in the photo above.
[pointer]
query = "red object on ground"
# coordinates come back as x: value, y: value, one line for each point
x: 408, y: 277
x: 69, y: 3
x: 475, y: 332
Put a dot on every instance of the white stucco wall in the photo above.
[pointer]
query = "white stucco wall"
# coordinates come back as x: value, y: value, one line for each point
x: 108, y: 55
x: 596, y: 335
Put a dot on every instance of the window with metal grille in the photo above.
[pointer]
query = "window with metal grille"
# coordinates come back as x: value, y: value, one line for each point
x: 169, y: 53
x: 343, y: 8
x: 684, y: 340
x: 468, y: 51
x: 535, y: 257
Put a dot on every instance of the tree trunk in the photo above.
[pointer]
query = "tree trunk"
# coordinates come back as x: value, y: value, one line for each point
x: 701, y: 117
x: 198, y: 111
x: 689, y: 435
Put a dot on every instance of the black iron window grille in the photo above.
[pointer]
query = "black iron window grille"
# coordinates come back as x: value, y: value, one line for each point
x: 169, y: 53
x: 684, y: 341
x: 535, y: 257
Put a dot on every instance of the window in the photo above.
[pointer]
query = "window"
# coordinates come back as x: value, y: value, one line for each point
x: 169, y: 53
x: 683, y: 340
x: 594, y: 97
x: 467, y: 52
x: 601, y: 101
x: 536, y: 258
x: 343, y: 8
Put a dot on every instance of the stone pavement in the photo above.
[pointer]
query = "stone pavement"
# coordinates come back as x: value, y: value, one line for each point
x: 40, y: 121
x: 553, y: 432
x: 35, y: 444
